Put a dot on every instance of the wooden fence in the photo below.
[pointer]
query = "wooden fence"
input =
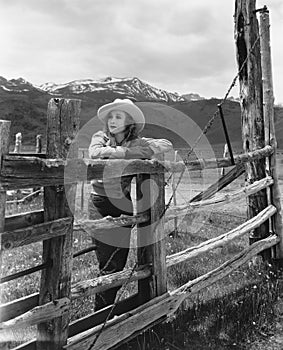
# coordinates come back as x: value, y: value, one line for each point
x: 49, y: 309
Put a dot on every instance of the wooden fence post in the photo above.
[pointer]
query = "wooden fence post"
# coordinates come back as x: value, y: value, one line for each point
x: 38, y: 145
x: 250, y: 78
x: 150, y: 235
x: 4, y: 149
x: 268, y: 112
x: 225, y: 152
x: 18, y: 143
x: 157, y: 191
x: 62, y: 125
x: 174, y: 188
x: 82, y: 187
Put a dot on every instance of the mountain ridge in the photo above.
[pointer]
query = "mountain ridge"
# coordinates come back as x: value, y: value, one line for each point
x: 25, y: 105
x: 130, y: 87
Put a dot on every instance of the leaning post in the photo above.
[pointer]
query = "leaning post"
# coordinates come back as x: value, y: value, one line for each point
x: 250, y: 79
x: 62, y: 126
x: 268, y: 111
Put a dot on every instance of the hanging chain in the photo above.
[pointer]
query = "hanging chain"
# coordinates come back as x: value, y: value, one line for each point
x: 210, y: 122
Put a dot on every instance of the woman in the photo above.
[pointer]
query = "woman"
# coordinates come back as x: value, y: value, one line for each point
x: 123, y: 121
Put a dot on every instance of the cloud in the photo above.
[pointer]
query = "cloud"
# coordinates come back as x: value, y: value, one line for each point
x: 185, y: 46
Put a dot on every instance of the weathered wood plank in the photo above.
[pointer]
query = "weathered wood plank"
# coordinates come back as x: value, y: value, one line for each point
x: 38, y: 314
x: 100, y: 316
x: 18, y: 307
x: 223, y: 239
x: 18, y: 221
x: 59, y: 201
x: 96, y: 285
x: 220, y: 199
x: 251, y: 95
x: 25, y: 172
x: 30, y: 345
x: 224, y: 181
x: 35, y: 233
x: 110, y: 222
x: 122, y: 327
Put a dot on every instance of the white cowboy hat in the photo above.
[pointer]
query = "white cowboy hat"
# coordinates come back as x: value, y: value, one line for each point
x: 125, y: 105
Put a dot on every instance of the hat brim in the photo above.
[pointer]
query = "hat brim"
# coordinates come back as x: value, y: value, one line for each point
x: 129, y: 108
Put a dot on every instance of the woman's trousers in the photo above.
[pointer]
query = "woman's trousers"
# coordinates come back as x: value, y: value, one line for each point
x: 112, y: 245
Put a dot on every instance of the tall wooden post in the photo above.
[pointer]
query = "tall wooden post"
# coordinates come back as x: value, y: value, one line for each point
x: 268, y: 111
x: 150, y: 235
x: 4, y: 149
x: 250, y: 77
x: 62, y: 126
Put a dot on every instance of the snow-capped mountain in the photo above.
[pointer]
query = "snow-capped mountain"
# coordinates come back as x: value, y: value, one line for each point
x: 19, y: 85
x: 126, y: 87
x: 102, y: 90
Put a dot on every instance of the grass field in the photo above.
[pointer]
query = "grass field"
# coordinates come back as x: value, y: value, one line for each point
x: 224, y: 314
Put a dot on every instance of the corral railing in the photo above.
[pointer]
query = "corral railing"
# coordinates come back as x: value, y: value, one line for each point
x: 50, y: 307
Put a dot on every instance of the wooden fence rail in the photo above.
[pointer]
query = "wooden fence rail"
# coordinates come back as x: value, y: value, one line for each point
x: 102, y: 283
x: 26, y: 172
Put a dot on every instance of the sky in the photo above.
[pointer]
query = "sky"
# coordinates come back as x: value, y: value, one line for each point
x: 181, y: 46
